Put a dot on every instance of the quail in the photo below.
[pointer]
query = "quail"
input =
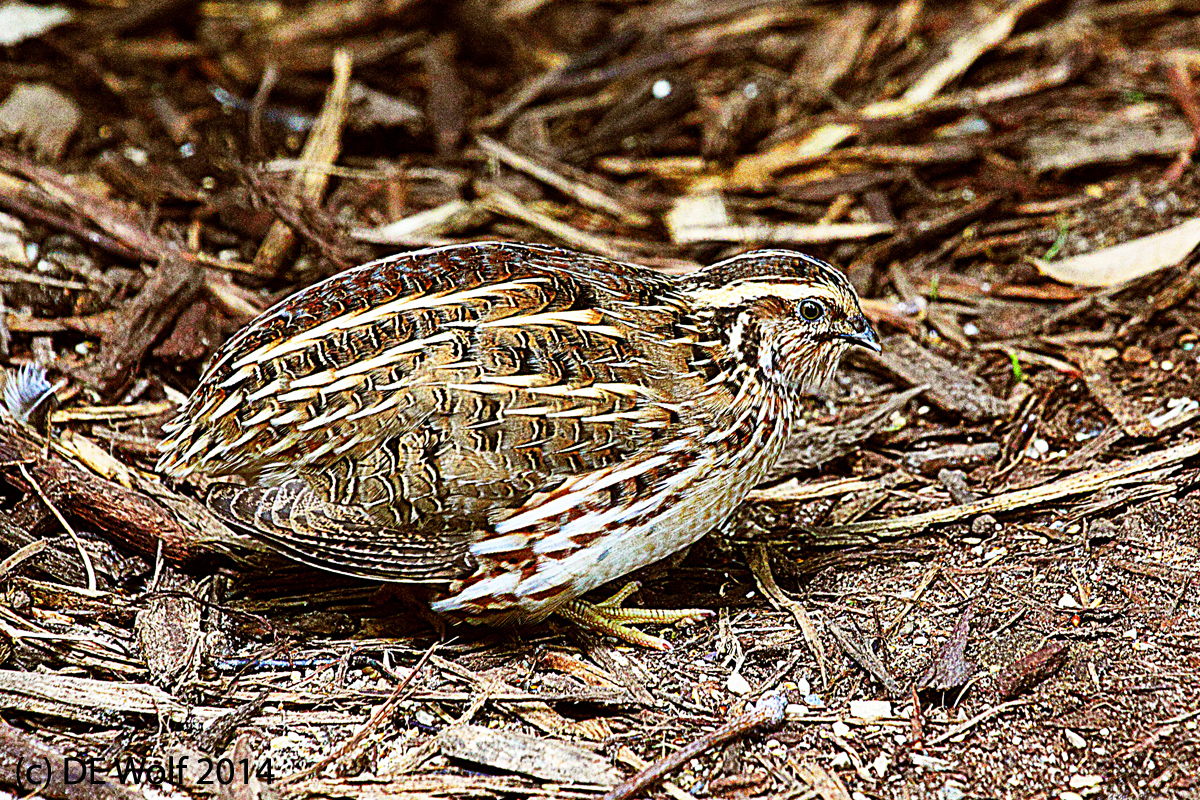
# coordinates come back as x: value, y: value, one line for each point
x: 516, y: 424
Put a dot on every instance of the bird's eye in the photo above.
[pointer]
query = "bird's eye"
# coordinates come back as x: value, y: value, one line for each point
x: 811, y: 310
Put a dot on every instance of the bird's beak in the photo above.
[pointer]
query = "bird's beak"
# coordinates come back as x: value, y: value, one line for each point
x: 863, y: 335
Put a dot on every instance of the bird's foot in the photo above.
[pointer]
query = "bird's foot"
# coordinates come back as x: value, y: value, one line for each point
x: 611, y: 618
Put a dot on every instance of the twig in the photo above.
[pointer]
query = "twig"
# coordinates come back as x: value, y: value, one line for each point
x: 382, y: 713
x: 975, y: 720
x: 1074, y: 484
x: 567, y: 184
x: 22, y: 555
x: 865, y: 658
x: 510, y: 205
x: 764, y: 233
x: 768, y: 711
x: 83, y: 553
x: 761, y: 568
x: 322, y: 147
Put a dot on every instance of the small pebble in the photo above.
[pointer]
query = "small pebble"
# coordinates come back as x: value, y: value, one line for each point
x: 1076, y: 741
x: 1067, y: 601
x: 1136, y: 355
x: 951, y: 792
x: 984, y: 525
x: 841, y: 729
x: 1085, y: 781
x: 995, y: 554
x: 737, y: 684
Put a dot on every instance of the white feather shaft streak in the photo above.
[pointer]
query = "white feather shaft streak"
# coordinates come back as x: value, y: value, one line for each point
x: 229, y: 404
x: 368, y: 316
x: 583, y: 316
x: 394, y: 400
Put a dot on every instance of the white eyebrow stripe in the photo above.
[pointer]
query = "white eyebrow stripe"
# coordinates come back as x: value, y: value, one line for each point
x: 742, y: 291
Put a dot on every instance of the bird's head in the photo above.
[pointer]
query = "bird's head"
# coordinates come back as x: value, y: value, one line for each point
x: 779, y: 316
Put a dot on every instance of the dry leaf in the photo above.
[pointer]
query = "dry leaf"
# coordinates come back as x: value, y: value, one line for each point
x: 1130, y: 260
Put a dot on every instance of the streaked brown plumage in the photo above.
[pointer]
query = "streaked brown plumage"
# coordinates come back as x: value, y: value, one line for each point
x: 519, y: 423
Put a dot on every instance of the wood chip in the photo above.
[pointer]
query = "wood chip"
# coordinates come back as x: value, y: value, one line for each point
x: 756, y: 170
x: 168, y: 628
x: 948, y: 387
x: 88, y: 700
x: 40, y: 115
x: 321, y: 149
x: 1116, y: 141
x: 541, y: 758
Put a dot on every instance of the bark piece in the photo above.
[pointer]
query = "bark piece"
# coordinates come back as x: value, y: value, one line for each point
x: 139, y: 325
x: 952, y: 668
x: 1028, y: 671
x: 168, y: 629
x: 949, y: 387
x: 515, y: 752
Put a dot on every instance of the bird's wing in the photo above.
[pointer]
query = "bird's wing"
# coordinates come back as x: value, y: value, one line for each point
x: 345, y: 539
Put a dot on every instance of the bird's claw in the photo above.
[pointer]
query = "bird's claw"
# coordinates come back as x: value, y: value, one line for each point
x: 610, y: 617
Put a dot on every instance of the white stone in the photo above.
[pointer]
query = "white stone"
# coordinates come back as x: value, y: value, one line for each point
x: 737, y: 684
x: 1077, y: 741
x: 871, y: 710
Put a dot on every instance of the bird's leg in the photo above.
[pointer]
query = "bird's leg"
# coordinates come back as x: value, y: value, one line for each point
x: 611, y: 618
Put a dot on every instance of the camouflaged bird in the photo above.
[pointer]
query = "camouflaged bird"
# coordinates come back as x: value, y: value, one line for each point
x: 520, y: 424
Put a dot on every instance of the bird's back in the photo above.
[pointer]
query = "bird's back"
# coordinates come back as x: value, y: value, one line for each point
x: 444, y: 387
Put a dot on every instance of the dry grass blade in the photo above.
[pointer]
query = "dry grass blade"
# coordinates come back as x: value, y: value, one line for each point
x: 322, y: 148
